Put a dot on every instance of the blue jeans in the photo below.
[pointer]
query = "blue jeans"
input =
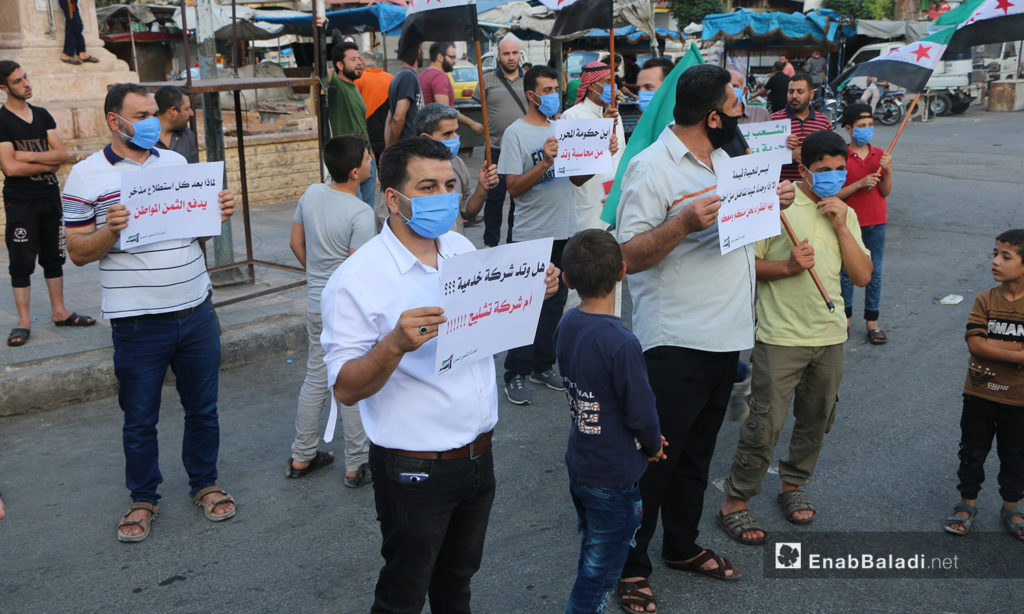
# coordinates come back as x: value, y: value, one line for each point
x: 607, y: 521
x: 143, y: 349
x: 874, y: 240
x: 368, y: 188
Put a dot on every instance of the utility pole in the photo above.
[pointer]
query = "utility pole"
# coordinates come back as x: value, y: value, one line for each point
x: 214, y: 127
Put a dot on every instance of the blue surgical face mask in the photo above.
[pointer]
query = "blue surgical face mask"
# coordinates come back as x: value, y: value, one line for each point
x: 432, y: 216
x: 606, y: 94
x: 644, y: 98
x: 453, y: 144
x: 739, y: 94
x: 828, y: 183
x: 549, y: 104
x: 863, y: 136
x: 147, y: 132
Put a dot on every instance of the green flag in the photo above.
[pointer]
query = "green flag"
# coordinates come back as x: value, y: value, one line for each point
x: 649, y: 128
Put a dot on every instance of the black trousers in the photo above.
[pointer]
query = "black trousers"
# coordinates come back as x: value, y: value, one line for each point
x: 540, y: 356
x: 34, y: 230
x: 493, y: 206
x: 691, y: 390
x: 981, y: 421
x: 74, y: 42
x: 433, y: 530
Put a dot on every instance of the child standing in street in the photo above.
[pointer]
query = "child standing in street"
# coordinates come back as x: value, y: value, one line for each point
x: 994, y: 391
x: 615, y: 430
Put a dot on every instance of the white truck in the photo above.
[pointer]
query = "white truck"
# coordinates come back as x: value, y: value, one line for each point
x: 950, y: 85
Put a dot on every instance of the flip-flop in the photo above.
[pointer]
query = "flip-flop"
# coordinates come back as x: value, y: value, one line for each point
x: 76, y: 320
x: 18, y: 337
x: 322, y: 459
x: 90, y: 59
x: 72, y: 61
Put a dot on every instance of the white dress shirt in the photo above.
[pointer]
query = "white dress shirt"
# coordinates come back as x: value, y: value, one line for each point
x: 589, y: 197
x: 695, y: 298
x: 415, y: 410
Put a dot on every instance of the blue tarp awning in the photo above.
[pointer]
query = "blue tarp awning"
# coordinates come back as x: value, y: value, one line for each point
x: 634, y: 34
x: 815, y: 27
x: 386, y: 18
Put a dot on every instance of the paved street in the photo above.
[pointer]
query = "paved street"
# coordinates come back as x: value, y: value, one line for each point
x: 311, y: 545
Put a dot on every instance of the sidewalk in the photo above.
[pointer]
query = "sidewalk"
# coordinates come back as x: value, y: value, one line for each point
x: 68, y: 365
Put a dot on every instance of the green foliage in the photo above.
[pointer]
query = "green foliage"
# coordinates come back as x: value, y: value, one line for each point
x: 687, y: 11
x: 880, y: 9
x: 856, y: 9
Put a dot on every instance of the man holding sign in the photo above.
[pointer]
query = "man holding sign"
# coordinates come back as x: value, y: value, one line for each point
x: 544, y: 208
x: 158, y: 301
x: 430, y: 434
x: 692, y: 312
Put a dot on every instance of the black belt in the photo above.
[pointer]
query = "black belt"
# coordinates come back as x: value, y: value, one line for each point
x: 180, y: 314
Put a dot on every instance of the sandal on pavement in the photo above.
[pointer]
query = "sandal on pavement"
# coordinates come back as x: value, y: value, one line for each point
x: 966, y: 523
x: 18, y: 337
x: 793, y: 501
x: 322, y: 459
x: 363, y: 477
x: 630, y: 595
x: 876, y: 336
x: 1015, y: 528
x: 76, y: 320
x: 90, y: 59
x: 209, y: 506
x: 738, y: 523
x: 131, y: 522
x: 72, y: 61
x: 718, y: 573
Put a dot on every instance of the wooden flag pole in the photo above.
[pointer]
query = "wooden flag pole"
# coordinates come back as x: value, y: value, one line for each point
x: 906, y: 117
x: 611, y: 49
x: 483, y: 100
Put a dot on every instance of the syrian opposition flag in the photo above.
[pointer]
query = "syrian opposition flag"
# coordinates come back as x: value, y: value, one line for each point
x: 581, y: 16
x: 650, y: 126
x: 909, y: 66
x: 436, y: 20
x: 980, y: 22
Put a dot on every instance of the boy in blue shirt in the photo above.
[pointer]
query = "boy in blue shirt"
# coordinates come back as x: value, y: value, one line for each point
x: 615, y: 430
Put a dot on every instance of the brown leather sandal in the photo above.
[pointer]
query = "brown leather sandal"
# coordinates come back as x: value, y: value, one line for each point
x: 142, y: 522
x: 209, y: 506
x: 630, y: 595
x: 722, y: 565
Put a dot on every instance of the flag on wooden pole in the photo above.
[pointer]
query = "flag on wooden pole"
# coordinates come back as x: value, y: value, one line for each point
x: 436, y: 20
x: 580, y: 16
x: 909, y: 66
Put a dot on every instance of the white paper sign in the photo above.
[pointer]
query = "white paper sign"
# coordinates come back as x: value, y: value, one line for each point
x: 750, y: 205
x: 492, y: 299
x: 584, y: 147
x: 769, y: 138
x: 171, y: 202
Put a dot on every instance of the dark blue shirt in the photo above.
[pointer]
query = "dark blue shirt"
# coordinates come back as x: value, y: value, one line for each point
x: 614, y: 420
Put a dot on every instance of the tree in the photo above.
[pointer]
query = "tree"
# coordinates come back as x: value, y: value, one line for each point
x: 687, y: 11
x: 856, y: 9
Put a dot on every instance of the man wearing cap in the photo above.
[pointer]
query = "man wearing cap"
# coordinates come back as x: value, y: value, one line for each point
x: 593, y: 100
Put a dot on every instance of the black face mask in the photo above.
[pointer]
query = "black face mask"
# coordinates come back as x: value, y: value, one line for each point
x: 722, y: 135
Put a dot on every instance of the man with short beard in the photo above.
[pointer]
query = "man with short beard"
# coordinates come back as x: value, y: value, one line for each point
x: 159, y: 302
x: 30, y: 152
x: 436, y: 85
x: 804, y: 118
x: 346, y: 108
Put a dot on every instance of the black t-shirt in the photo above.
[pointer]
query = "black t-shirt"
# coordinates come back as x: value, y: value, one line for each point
x: 28, y: 137
x: 406, y: 85
x: 778, y: 89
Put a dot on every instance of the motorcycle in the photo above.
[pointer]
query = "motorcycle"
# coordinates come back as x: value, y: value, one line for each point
x: 888, y: 112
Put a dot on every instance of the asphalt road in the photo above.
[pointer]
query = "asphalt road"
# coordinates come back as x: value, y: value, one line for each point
x: 312, y: 545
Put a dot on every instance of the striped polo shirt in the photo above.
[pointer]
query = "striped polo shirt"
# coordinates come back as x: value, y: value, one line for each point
x: 801, y: 128
x: 154, y: 278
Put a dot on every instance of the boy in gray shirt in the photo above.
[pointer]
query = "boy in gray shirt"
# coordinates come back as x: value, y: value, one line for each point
x: 329, y: 224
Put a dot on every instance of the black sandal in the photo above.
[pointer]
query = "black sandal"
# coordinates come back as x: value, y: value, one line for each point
x: 362, y: 477
x: 18, y: 337
x: 718, y: 573
x: 630, y: 595
x: 322, y: 459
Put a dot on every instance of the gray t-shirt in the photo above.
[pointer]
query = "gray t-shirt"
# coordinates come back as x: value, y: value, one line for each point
x: 333, y: 223
x: 546, y: 209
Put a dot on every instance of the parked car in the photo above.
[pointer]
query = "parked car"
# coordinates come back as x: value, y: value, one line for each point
x: 464, y: 79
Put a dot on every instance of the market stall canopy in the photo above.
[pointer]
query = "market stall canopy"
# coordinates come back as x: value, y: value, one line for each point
x: 908, y: 31
x: 140, y: 13
x: 535, y: 22
x: 634, y: 34
x: 247, y: 28
x: 381, y: 17
x: 743, y: 25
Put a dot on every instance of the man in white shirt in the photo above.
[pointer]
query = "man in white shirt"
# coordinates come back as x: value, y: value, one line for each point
x: 430, y: 437
x: 158, y: 301
x: 693, y: 311
x: 593, y: 100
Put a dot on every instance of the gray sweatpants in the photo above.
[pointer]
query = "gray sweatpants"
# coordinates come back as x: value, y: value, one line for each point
x: 313, y: 397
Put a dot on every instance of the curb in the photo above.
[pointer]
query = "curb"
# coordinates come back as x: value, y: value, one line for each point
x: 75, y: 378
